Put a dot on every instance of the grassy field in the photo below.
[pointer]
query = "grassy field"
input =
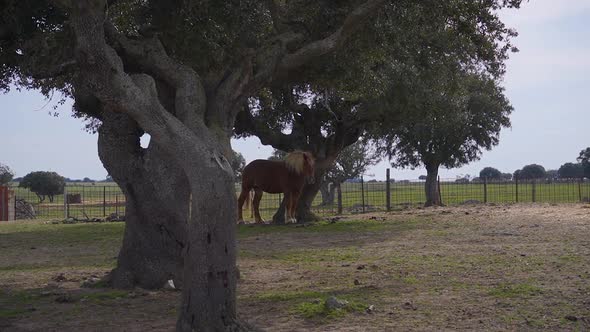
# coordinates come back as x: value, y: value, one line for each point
x: 103, y: 199
x: 477, y: 267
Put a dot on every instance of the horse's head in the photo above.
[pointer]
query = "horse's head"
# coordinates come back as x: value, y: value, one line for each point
x: 301, y: 162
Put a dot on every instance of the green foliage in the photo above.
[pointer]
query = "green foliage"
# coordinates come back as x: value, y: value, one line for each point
x: 571, y: 171
x: 44, y: 184
x: 6, y: 174
x: 532, y: 171
x: 443, y: 120
x: 352, y: 162
x: 584, y: 159
x: 490, y: 173
x: 277, y: 155
x: 552, y: 174
x: 237, y: 164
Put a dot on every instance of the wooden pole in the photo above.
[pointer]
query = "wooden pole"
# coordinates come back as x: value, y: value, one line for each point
x: 387, y: 190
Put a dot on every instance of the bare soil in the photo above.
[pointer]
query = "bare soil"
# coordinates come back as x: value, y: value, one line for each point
x: 471, y: 267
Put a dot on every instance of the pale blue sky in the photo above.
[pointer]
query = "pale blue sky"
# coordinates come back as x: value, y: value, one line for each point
x: 548, y: 83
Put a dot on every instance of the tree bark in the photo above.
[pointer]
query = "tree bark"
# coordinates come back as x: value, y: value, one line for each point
x: 431, y: 185
x: 210, y: 265
x: 156, y: 193
x: 328, y: 191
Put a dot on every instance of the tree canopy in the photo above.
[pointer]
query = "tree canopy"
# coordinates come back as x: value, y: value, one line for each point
x: 445, y: 124
x: 44, y: 184
x: 237, y: 164
x: 531, y: 172
x: 352, y: 163
x: 490, y: 173
x: 571, y: 171
x: 444, y: 120
x: 584, y: 159
x: 6, y: 174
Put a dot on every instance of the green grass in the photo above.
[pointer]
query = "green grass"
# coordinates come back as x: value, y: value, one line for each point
x: 353, y: 226
x: 311, y: 304
x: 317, y: 310
x: 49, y: 247
x: 102, y: 297
x: 311, y: 256
x: 103, y: 199
x: 516, y: 290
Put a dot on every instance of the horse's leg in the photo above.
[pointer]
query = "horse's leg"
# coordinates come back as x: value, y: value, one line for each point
x: 243, y: 195
x: 291, y: 200
x: 256, y: 205
x: 287, y: 207
x: 294, y: 200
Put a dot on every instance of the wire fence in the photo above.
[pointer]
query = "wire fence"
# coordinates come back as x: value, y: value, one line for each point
x: 103, y: 200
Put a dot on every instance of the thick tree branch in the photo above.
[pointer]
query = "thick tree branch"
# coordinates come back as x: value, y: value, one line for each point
x: 276, y: 14
x: 149, y: 54
x: 247, y: 124
x: 321, y: 47
x: 135, y: 95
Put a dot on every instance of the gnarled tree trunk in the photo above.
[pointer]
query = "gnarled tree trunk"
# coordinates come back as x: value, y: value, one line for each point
x: 128, y: 75
x: 157, y: 201
x: 431, y: 185
x: 328, y: 191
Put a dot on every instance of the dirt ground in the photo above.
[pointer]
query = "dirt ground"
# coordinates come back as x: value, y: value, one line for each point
x: 472, y: 267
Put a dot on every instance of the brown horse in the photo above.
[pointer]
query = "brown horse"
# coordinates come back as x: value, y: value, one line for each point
x: 284, y: 176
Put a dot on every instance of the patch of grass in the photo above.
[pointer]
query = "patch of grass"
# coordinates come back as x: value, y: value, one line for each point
x: 289, y: 296
x: 569, y: 258
x: 508, y: 290
x: 49, y: 234
x: 106, y: 296
x: 351, y: 226
x: 36, y: 247
x: 310, y: 256
x: 20, y: 297
x: 11, y: 313
x: 311, y: 304
x: 410, y: 280
x: 317, y: 309
x: 102, y: 283
x: 13, y: 304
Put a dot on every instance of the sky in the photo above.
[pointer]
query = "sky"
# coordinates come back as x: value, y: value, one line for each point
x: 547, y: 82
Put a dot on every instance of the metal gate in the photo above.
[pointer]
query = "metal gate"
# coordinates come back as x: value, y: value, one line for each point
x: 6, y: 204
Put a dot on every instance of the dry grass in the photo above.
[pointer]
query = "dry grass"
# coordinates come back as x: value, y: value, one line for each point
x: 518, y: 267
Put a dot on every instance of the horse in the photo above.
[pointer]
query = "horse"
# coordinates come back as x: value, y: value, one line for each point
x: 276, y: 176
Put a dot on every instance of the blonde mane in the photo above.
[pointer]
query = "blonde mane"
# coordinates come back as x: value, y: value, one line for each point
x: 295, y: 161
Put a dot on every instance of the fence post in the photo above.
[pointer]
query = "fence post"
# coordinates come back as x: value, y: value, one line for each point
x: 83, y: 199
x: 387, y: 191
x: 439, y: 191
x: 534, y: 190
x: 117, y: 204
x: 104, y: 201
x: 66, y: 214
x: 363, y: 192
x: 485, y: 189
x: 580, y: 189
x: 516, y: 183
x: 339, y: 191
